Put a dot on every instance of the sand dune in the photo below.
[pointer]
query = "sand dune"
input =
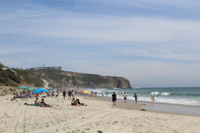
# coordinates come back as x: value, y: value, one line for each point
x: 98, y: 116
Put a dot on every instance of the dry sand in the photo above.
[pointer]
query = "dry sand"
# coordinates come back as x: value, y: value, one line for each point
x: 99, y: 116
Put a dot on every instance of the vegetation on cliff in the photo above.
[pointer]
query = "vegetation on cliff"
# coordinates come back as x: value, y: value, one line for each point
x: 82, y: 80
x: 8, y: 77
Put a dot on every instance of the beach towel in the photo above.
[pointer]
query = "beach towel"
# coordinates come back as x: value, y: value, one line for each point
x: 76, y: 105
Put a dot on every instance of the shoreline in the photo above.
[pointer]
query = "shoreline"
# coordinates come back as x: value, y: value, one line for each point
x: 187, y: 110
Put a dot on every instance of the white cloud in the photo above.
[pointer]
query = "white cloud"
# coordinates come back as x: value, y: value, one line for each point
x: 107, y: 28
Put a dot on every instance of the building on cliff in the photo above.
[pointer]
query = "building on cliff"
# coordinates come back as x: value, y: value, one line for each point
x: 47, y: 68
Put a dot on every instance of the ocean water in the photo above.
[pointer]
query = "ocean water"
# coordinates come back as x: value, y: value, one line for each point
x: 174, y: 95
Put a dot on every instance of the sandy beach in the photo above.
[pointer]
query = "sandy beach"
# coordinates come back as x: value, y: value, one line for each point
x: 99, y: 116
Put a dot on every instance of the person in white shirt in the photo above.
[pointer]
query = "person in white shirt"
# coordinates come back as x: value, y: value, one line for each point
x: 102, y: 93
x: 72, y: 93
x: 125, y: 98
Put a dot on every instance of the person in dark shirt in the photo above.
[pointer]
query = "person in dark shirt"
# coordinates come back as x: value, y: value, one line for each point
x: 136, y: 97
x: 78, y: 102
x: 64, y: 94
x: 69, y: 95
x: 43, y: 104
x: 114, y: 98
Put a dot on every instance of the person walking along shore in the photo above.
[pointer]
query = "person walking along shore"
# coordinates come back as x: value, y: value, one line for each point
x: 114, y: 98
x: 136, y: 97
x: 125, y: 97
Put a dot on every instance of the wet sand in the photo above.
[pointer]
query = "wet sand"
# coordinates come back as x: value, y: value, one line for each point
x: 178, y: 109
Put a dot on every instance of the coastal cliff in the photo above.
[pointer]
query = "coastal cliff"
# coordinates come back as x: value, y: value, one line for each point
x: 82, y: 80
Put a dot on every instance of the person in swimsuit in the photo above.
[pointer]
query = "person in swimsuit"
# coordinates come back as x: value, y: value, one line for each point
x: 136, y: 97
x: 37, y: 103
x: 114, y: 98
x: 125, y: 98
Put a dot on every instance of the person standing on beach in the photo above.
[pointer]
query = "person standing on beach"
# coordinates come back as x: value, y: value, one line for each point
x: 136, y: 97
x: 102, y: 93
x: 152, y: 98
x: 114, y: 98
x: 125, y: 97
x: 64, y: 94
x: 69, y: 95
x: 72, y: 93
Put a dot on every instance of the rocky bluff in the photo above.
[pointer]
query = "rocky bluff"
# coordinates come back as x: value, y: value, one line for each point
x: 83, y: 80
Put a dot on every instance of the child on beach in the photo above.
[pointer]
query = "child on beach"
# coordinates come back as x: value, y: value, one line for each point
x: 152, y: 98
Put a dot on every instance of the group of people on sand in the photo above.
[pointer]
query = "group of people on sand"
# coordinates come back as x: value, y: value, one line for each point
x: 93, y: 93
x: 23, y: 94
x: 114, y: 98
x: 76, y: 102
x: 70, y: 94
x: 42, y: 103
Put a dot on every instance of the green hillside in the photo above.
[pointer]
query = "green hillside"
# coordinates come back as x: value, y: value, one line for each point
x: 8, y: 77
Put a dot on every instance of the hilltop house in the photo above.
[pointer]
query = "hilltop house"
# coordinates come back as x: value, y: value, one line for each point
x: 47, y: 68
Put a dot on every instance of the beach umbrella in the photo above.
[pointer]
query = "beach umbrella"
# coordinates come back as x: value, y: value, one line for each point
x: 22, y: 87
x: 85, y: 92
x: 29, y: 88
x: 40, y: 90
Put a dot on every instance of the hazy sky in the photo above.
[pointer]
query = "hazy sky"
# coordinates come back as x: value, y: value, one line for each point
x: 150, y: 42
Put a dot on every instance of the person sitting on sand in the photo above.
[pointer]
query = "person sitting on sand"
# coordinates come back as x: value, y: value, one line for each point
x: 37, y: 103
x: 43, y: 104
x: 78, y: 102
x: 17, y: 95
x: 74, y: 102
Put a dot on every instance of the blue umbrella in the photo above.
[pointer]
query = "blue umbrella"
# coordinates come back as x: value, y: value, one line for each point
x: 40, y: 90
